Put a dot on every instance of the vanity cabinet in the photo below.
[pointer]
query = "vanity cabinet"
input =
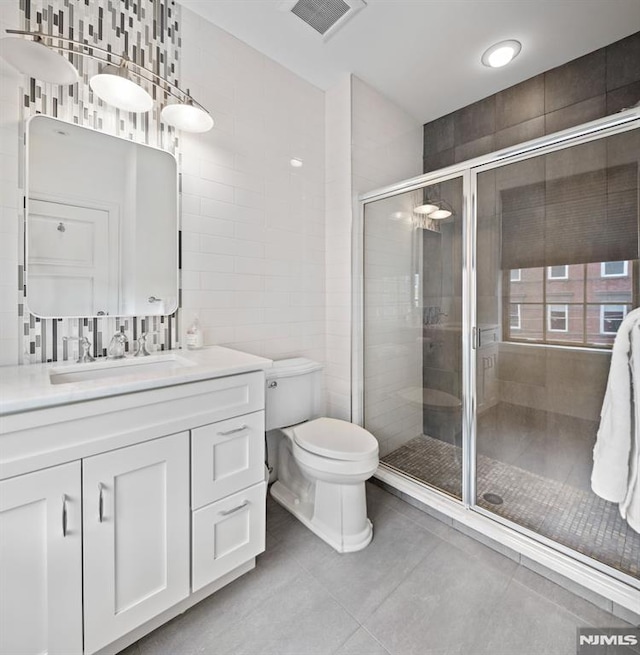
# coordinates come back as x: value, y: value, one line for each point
x: 227, y: 533
x: 120, y: 513
x: 228, y: 496
x: 227, y: 456
x: 41, y: 562
x: 136, y: 536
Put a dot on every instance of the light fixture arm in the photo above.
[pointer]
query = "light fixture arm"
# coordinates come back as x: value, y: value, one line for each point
x: 107, y: 57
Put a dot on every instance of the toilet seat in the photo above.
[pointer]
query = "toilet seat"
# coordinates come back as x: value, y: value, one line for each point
x: 335, y: 439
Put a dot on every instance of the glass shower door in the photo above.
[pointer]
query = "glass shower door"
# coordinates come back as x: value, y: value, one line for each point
x: 413, y: 331
x: 557, y: 271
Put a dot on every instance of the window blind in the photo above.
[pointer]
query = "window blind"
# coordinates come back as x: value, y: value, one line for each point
x: 576, y: 219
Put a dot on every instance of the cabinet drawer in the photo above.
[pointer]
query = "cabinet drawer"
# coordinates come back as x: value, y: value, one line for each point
x: 225, y: 457
x: 227, y: 534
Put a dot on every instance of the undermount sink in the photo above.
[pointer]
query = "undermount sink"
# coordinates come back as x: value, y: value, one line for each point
x: 117, y: 368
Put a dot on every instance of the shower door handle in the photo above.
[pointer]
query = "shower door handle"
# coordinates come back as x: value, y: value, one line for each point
x: 476, y: 338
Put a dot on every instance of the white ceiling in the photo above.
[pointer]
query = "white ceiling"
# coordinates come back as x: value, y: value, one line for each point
x: 425, y: 54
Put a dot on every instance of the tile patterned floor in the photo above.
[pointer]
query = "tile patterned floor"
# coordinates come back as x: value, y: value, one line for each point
x: 574, y: 517
x: 419, y: 588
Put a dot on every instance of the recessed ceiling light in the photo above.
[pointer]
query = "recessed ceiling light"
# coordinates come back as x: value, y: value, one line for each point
x: 500, y: 54
x: 295, y: 162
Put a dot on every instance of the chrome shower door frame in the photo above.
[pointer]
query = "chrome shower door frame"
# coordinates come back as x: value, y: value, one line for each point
x: 595, y: 575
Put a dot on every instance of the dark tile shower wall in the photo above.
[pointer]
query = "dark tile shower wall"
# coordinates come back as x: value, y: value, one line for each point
x: 596, y: 85
x: 149, y: 32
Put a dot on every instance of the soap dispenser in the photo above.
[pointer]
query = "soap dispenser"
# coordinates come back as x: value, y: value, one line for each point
x: 194, y: 335
x: 116, y: 347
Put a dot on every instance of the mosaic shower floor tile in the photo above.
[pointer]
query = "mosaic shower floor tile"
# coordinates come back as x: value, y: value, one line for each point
x: 570, y: 516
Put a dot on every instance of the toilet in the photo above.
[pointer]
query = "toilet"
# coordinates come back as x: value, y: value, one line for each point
x: 321, y: 464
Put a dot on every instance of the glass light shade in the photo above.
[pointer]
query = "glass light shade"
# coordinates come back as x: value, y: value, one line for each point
x: 187, y: 117
x: 440, y: 214
x: 37, y: 60
x: 500, y: 54
x: 295, y: 162
x: 114, y: 86
x: 427, y: 208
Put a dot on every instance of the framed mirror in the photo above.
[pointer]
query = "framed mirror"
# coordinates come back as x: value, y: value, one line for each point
x: 101, y: 228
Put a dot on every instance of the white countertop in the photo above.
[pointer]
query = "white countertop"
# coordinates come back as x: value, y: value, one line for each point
x: 29, y: 387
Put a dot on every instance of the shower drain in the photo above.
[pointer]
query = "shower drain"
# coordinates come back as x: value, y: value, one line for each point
x: 494, y: 499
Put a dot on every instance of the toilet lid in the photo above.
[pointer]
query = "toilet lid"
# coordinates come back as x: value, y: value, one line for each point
x: 330, y: 437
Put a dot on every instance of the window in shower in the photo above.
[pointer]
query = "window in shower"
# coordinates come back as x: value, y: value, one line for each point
x: 413, y: 332
x: 567, y: 221
x: 591, y: 311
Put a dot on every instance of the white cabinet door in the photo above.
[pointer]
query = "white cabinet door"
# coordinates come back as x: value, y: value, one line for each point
x: 41, y: 562
x: 227, y: 456
x: 136, y: 536
x: 227, y: 534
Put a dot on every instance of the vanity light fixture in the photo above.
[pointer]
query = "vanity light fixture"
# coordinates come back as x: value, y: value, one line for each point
x: 441, y: 213
x: 43, y: 56
x: 114, y: 85
x: 428, y: 208
x: 500, y: 54
x: 187, y: 116
x: 432, y: 210
x: 38, y: 60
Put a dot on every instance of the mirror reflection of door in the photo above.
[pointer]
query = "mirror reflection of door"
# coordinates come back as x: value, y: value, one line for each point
x: 72, y: 172
x: 72, y: 259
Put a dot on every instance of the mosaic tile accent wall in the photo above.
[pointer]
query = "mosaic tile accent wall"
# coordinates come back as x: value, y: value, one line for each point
x: 148, y: 32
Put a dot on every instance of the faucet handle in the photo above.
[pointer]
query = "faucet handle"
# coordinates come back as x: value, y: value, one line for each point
x: 141, y: 344
x: 85, y: 345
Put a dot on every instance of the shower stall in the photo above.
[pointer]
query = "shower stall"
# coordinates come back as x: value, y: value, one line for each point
x: 490, y: 295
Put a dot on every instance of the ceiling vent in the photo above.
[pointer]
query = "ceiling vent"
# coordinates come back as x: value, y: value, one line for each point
x: 325, y: 16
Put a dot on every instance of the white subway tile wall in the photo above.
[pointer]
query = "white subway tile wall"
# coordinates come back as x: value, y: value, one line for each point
x: 253, y: 227
x: 10, y: 199
x: 338, y: 249
x: 370, y: 143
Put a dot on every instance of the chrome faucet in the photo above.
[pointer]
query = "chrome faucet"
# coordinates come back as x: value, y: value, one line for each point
x: 85, y: 346
x: 116, y: 347
x: 141, y: 344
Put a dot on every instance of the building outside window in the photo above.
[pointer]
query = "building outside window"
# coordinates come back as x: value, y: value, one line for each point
x: 515, y: 319
x: 558, y: 272
x: 610, y: 318
x: 558, y: 318
x: 613, y: 269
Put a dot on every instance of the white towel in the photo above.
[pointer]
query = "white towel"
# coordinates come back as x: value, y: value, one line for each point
x: 630, y: 506
x: 615, y: 456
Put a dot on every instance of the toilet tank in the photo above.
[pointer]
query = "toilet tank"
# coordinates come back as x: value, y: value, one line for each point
x: 293, y: 393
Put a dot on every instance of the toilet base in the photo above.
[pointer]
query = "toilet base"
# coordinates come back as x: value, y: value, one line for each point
x: 308, y: 515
